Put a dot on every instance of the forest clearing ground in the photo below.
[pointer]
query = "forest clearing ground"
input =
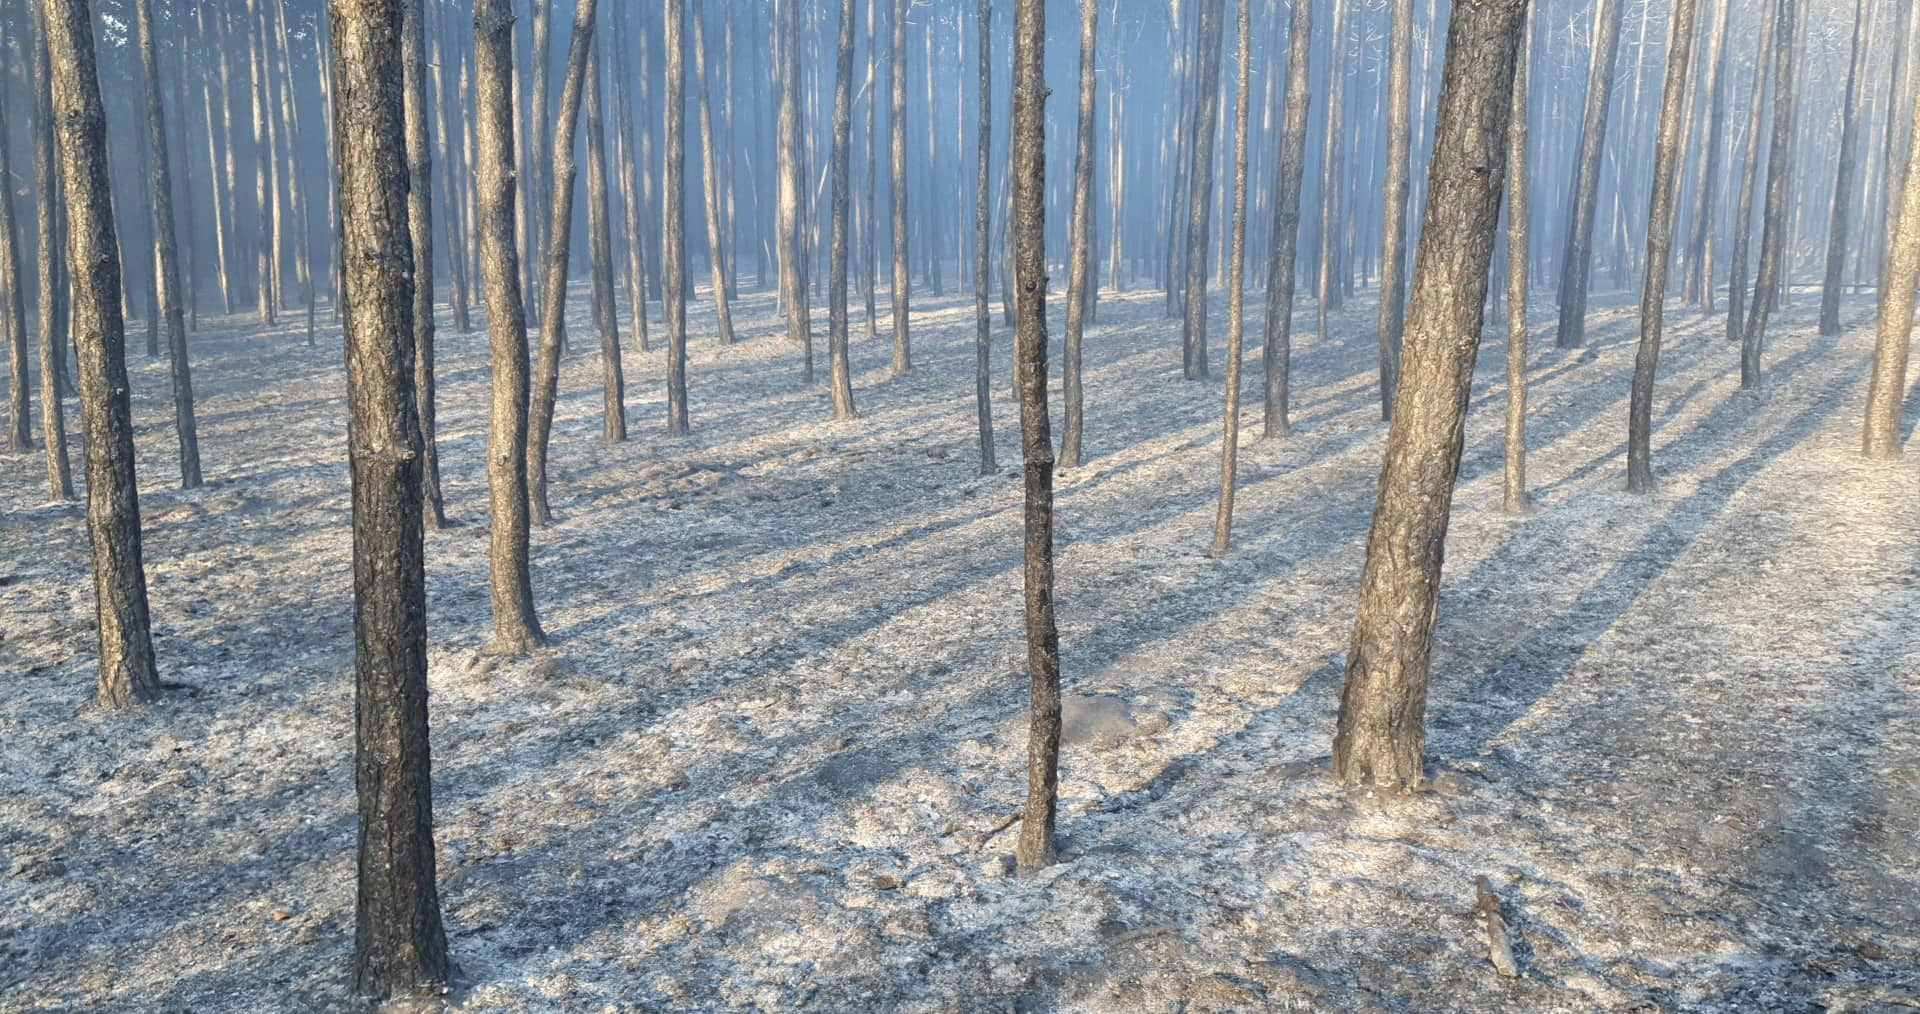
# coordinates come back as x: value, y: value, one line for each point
x: 784, y: 704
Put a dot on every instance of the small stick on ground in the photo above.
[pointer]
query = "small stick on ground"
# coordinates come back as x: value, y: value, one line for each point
x: 1499, y: 937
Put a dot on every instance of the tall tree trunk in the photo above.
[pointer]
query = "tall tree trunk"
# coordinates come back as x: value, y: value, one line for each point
x: 1519, y: 210
x: 1333, y: 176
x: 1080, y: 243
x: 632, y: 205
x: 1381, y: 738
x: 982, y: 313
x: 413, y: 61
x: 539, y: 180
x: 1750, y: 167
x: 1653, y: 294
x: 400, y: 948
x: 1393, y: 258
x: 262, y: 158
x: 716, y: 248
x: 673, y: 254
x: 1193, y: 327
x: 1887, y: 386
x: 793, y: 251
x: 613, y: 383
x: 897, y: 191
x: 1290, y: 162
x: 559, y: 239
x: 51, y: 304
x: 1029, y: 225
x: 516, y: 628
x: 166, y: 249
x: 841, y: 370
x: 13, y: 308
x: 1772, y: 236
x: 1576, y: 264
x: 1706, y: 181
x: 870, y: 265
x: 127, y: 674
x: 446, y: 101
x: 1838, y: 222
x: 1236, y: 287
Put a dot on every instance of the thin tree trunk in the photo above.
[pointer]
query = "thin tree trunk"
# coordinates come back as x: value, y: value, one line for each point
x: 13, y: 308
x: 400, y: 948
x: 1291, y: 162
x: 1772, y: 237
x: 1706, y: 182
x: 613, y: 383
x: 1029, y: 226
x: 446, y: 101
x: 1577, y: 262
x: 1743, y: 214
x: 842, y: 374
x: 1393, y: 258
x: 559, y: 238
x: 1193, y: 327
x: 1079, y: 245
x: 1236, y: 287
x: 1519, y: 201
x: 982, y: 312
x: 51, y: 309
x: 262, y: 156
x: 871, y: 264
x: 1653, y: 296
x: 1381, y: 736
x: 631, y: 202
x: 1332, y: 179
x: 1887, y: 386
x: 516, y: 628
x: 673, y: 190
x: 897, y: 191
x: 1838, y: 222
x: 716, y: 249
x: 413, y: 59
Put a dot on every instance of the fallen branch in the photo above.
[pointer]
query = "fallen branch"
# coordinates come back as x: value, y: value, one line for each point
x: 1499, y: 937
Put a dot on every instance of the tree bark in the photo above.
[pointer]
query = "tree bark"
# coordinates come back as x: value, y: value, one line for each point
x: 13, y: 309
x: 400, y: 947
x: 1381, y: 738
x: 613, y: 384
x: 1291, y: 162
x: 1393, y: 258
x: 1772, y: 236
x: 1706, y: 182
x: 840, y: 369
x: 1577, y: 262
x: 982, y: 312
x: 716, y: 247
x: 1079, y: 245
x: 792, y: 241
x: 51, y: 303
x: 1887, y: 386
x: 516, y: 628
x: 1193, y: 327
x: 413, y: 59
x: 1333, y: 176
x: 1236, y: 287
x: 1838, y: 223
x: 673, y: 190
x: 1653, y: 295
x: 633, y: 206
x: 559, y: 239
x: 1519, y: 201
x: 1743, y: 214
x: 897, y: 192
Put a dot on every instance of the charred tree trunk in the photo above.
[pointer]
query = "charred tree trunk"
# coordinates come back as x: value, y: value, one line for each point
x: 1838, y: 223
x: 1576, y: 264
x: 1743, y: 213
x: 633, y: 206
x: 870, y: 267
x: 982, y: 312
x: 1393, y: 259
x: 127, y: 674
x: 613, y: 383
x: 792, y: 241
x: 51, y: 310
x: 413, y: 59
x: 1519, y: 194
x: 1193, y: 327
x: 1291, y: 164
x: 1029, y: 225
x: 516, y: 628
x: 13, y: 308
x: 1079, y: 244
x: 840, y: 370
x: 1653, y: 294
x: 1706, y: 181
x: 1381, y: 738
x: 1772, y: 236
x: 673, y: 190
x: 1333, y: 177
x: 1887, y: 387
x: 1236, y: 287
x: 400, y: 948
x: 166, y: 250
x: 897, y: 191
x: 716, y: 247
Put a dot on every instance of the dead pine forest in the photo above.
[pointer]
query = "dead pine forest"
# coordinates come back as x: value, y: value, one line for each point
x: 959, y: 505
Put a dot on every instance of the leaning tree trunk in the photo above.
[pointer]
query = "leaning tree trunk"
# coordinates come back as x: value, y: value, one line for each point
x: 613, y: 382
x: 716, y: 247
x: 1035, y: 850
x: 1193, y: 326
x: 1291, y: 164
x: 1236, y: 288
x: 1653, y: 293
x: 982, y: 313
x: 559, y: 239
x: 897, y: 189
x: 13, y: 310
x: 1079, y: 244
x: 1887, y: 388
x: 1381, y: 738
x: 127, y: 674
x: 1514, y: 477
x: 1393, y: 259
x: 413, y: 59
x: 1773, y: 233
x: 51, y: 310
x: 841, y: 372
x: 1576, y: 264
x: 516, y: 628
x: 673, y: 253
x: 1837, y: 224
x: 166, y: 249
x: 400, y: 948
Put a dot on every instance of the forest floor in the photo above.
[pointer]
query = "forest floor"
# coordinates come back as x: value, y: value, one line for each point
x: 767, y: 761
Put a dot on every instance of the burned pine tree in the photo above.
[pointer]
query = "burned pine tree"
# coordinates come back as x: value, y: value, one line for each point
x: 1887, y: 386
x: 839, y: 370
x: 166, y: 262
x: 1381, y: 737
x: 1393, y: 267
x: 1193, y: 326
x: 1236, y: 287
x: 400, y: 947
x: 50, y: 311
x: 1277, y: 346
x: 1078, y: 244
x: 1519, y: 247
x: 613, y: 382
x: 1773, y: 238
x: 1576, y: 260
x: 982, y: 313
x: 897, y: 189
x: 413, y: 62
x: 673, y: 253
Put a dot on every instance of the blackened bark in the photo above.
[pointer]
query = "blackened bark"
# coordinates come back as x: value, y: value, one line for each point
x: 516, y: 628
x: 842, y: 376
x: 982, y: 313
x: 413, y: 60
x: 1838, y: 223
x: 1079, y: 244
x: 1281, y: 273
x: 1193, y: 327
x: 897, y: 192
x: 1773, y: 234
x: 1653, y: 294
x: 632, y: 206
x: 51, y: 306
x: 1393, y: 260
x: 1743, y: 213
x: 1035, y: 850
x: 1706, y: 180
x: 673, y: 255
x: 613, y: 383
x: 1236, y: 288
x: 166, y: 250
x: 1381, y: 738
x: 1333, y: 181
x: 400, y: 947
x: 127, y: 674
x: 716, y: 246
x: 793, y: 247
x: 1577, y: 261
